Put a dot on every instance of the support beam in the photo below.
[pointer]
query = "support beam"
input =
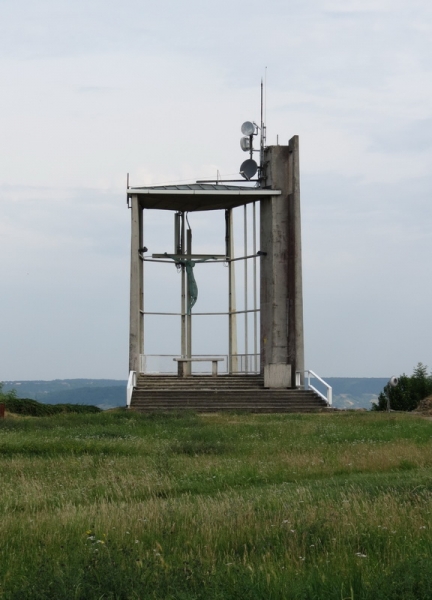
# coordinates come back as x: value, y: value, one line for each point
x: 245, y: 276
x: 188, y: 365
x: 183, y: 291
x: 136, y: 323
x: 220, y: 257
x: 295, y: 276
x: 281, y: 269
x: 232, y: 306
x: 255, y: 302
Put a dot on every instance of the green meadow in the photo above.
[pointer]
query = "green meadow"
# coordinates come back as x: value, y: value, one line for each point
x: 119, y: 505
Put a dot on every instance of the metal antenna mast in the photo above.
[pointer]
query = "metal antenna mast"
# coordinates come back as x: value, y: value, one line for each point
x: 262, y: 131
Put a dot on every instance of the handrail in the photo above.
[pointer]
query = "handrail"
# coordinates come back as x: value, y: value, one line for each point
x: 329, y: 397
x: 249, y: 363
x: 130, y: 387
x: 200, y: 314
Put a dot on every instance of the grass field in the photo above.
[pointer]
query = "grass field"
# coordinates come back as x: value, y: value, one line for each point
x: 119, y: 506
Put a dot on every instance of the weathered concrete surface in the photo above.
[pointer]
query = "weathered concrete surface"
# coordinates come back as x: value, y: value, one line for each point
x: 281, y: 269
x: 205, y: 394
x: 136, y: 318
x: 277, y: 376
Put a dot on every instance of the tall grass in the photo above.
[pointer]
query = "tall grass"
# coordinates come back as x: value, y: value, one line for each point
x: 119, y: 505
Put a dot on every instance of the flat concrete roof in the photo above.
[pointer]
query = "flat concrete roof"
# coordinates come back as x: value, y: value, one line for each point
x: 198, y: 196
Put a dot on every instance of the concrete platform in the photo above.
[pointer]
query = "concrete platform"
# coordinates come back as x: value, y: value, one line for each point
x: 164, y: 393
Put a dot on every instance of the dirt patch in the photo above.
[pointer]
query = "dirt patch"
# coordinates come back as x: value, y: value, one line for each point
x: 424, y: 408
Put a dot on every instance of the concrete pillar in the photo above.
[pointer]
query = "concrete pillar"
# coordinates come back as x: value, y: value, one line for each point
x: 282, y: 341
x: 296, y: 333
x: 183, y: 292
x: 136, y: 323
x: 232, y: 305
x: 188, y: 365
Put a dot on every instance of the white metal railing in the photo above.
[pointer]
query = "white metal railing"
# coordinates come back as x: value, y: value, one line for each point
x: 130, y: 387
x: 308, y: 374
x: 163, y: 363
x: 246, y: 363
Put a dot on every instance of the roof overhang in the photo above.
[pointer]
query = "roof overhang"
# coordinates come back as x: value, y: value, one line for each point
x: 197, y: 197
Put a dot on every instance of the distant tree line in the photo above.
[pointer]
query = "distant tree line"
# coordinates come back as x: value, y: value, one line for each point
x: 29, y: 407
x: 409, y: 391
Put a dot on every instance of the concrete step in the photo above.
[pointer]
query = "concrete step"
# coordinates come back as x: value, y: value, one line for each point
x: 223, y: 393
x: 202, y: 393
x: 200, y: 397
x: 231, y: 408
x: 223, y: 390
x: 226, y: 400
x: 226, y: 405
x: 204, y: 387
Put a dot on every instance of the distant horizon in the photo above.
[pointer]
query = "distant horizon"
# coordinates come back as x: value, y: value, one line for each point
x: 17, y: 381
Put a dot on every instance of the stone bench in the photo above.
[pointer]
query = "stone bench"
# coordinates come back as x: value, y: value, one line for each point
x: 183, y: 372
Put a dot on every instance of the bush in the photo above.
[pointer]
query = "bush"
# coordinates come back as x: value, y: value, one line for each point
x: 29, y: 407
x: 409, y: 392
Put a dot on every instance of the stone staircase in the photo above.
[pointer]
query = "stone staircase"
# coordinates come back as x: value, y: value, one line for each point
x: 200, y: 393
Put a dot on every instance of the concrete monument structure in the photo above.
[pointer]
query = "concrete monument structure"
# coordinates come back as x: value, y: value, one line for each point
x: 281, y: 342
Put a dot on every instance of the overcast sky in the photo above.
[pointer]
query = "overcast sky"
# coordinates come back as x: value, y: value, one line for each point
x: 91, y: 90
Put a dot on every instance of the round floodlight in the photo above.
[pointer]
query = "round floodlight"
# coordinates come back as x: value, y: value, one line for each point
x: 394, y: 381
x: 245, y: 144
x: 248, y: 128
x: 248, y: 168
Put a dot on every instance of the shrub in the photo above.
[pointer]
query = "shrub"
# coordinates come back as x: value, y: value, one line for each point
x: 33, y: 408
x: 408, y: 393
